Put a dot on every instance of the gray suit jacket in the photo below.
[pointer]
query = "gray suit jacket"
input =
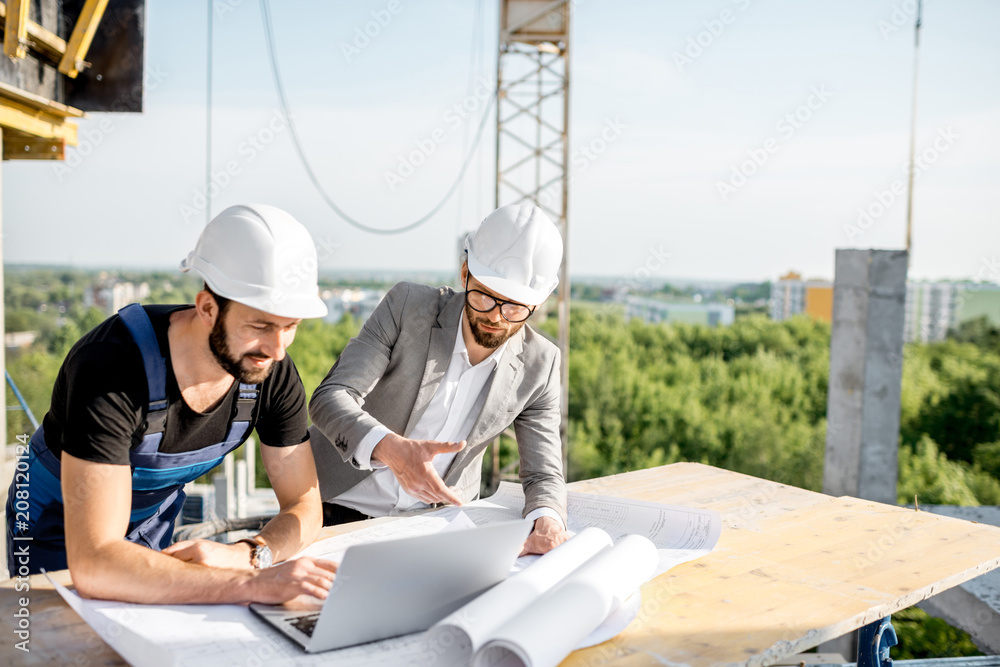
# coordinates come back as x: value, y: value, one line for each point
x: 389, y: 373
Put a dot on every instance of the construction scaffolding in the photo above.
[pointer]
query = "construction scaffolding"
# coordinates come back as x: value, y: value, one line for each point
x: 533, y: 132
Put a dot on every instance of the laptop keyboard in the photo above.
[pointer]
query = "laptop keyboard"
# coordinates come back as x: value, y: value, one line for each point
x: 305, y: 624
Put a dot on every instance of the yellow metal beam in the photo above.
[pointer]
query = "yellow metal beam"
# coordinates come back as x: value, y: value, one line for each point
x: 38, y: 102
x: 23, y: 147
x: 15, y: 30
x: 43, y: 41
x: 83, y: 34
x: 15, y: 116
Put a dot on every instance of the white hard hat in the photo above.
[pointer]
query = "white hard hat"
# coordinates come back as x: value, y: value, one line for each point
x: 262, y: 257
x: 516, y: 252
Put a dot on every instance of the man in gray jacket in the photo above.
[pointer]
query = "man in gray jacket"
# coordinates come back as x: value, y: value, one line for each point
x: 404, y: 417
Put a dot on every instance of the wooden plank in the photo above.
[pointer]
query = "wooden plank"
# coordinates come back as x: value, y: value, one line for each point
x: 789, y: 573
x: 38, y: 102
x: 83, y: 34
x: 43, y: 41
x: 15, y: 30
x: 792, y: 568
x: 19, y: 147
x: 37, y: 123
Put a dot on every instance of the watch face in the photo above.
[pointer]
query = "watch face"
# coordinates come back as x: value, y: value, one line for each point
x: 264, y: 557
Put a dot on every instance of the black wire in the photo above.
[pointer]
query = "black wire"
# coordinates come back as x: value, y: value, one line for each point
x: 279, y: 88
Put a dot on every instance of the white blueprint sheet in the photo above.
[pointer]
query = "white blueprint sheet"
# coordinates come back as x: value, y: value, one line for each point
x: 230, y: 635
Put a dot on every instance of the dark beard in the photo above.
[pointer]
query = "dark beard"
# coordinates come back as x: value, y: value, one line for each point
x: 218, y: 343
x: 490, y: 341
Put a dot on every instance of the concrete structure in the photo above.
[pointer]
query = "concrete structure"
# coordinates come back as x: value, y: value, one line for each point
x: 975, y: 605
x: 655, y: 311
x: 866, y: 366
x: 866, y: 369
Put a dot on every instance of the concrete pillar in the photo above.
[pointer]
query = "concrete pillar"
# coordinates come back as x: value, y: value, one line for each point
x: 225, y: 489
x: 241, y: 489
x: 866, y: 369
x: 250, y: 456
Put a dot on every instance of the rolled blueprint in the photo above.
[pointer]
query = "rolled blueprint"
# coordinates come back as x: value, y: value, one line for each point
x: 457, y: 637
x: 545, y: 633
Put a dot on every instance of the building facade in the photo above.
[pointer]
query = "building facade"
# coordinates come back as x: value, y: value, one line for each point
x: 932, y: 309
x: 655, y: 311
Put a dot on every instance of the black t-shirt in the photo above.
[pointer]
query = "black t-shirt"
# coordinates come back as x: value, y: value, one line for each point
x: 101, y: 399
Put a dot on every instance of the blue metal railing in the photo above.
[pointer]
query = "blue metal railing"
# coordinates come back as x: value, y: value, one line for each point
x: 20, y: 399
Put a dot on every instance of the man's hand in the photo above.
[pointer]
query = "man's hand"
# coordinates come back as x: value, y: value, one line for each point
x: 212, y: 554
x: 302, y: 576
x: 410, y: 462
x: 547, y: 535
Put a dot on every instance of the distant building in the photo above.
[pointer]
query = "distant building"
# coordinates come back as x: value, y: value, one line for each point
x: 932, y: 309
x: 112, y: 296
x: 359, y: 303
x: 791, y: 295
x: 655, y: 311
x: 18, y: 340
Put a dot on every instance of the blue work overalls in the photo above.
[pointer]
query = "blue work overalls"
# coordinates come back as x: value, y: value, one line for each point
x: 35, y: 523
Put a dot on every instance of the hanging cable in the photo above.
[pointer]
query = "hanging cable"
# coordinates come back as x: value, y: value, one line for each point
x: 282, y: 101
x: 477, y: 31
x: 208, y: 118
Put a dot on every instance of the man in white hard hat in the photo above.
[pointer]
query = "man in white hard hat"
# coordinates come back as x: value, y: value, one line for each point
x: 405, y: 415
x: 155, y: 397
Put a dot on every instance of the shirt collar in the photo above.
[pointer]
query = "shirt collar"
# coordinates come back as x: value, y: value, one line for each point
x: 461, y: 349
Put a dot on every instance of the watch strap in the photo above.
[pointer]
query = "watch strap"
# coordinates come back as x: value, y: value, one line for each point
x: 254, y: 546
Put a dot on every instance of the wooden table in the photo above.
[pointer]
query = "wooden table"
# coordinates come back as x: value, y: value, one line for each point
x: 792, y: 569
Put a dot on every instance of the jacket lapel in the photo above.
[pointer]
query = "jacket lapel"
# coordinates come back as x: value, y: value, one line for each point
x: 442, y: 345
x: 498, y: 399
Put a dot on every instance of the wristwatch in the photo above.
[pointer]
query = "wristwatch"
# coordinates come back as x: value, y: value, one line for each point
x: 260, y: 553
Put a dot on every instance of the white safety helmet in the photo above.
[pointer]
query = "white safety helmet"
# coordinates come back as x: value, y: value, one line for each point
x: 262, y: 257
x: 516, y: 252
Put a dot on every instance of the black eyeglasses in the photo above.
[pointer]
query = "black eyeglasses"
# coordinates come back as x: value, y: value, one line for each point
x: 481, y: 302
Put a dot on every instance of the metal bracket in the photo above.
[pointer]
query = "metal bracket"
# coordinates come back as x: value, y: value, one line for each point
x: 874, y: 641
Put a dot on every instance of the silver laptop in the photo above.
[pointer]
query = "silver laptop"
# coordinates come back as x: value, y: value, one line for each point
x: 391, y: 588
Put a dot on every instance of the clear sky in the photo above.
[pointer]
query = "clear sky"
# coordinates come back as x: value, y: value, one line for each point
x: 816, y: 96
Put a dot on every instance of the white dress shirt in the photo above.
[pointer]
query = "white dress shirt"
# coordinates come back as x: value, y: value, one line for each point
x: 449, y: 417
